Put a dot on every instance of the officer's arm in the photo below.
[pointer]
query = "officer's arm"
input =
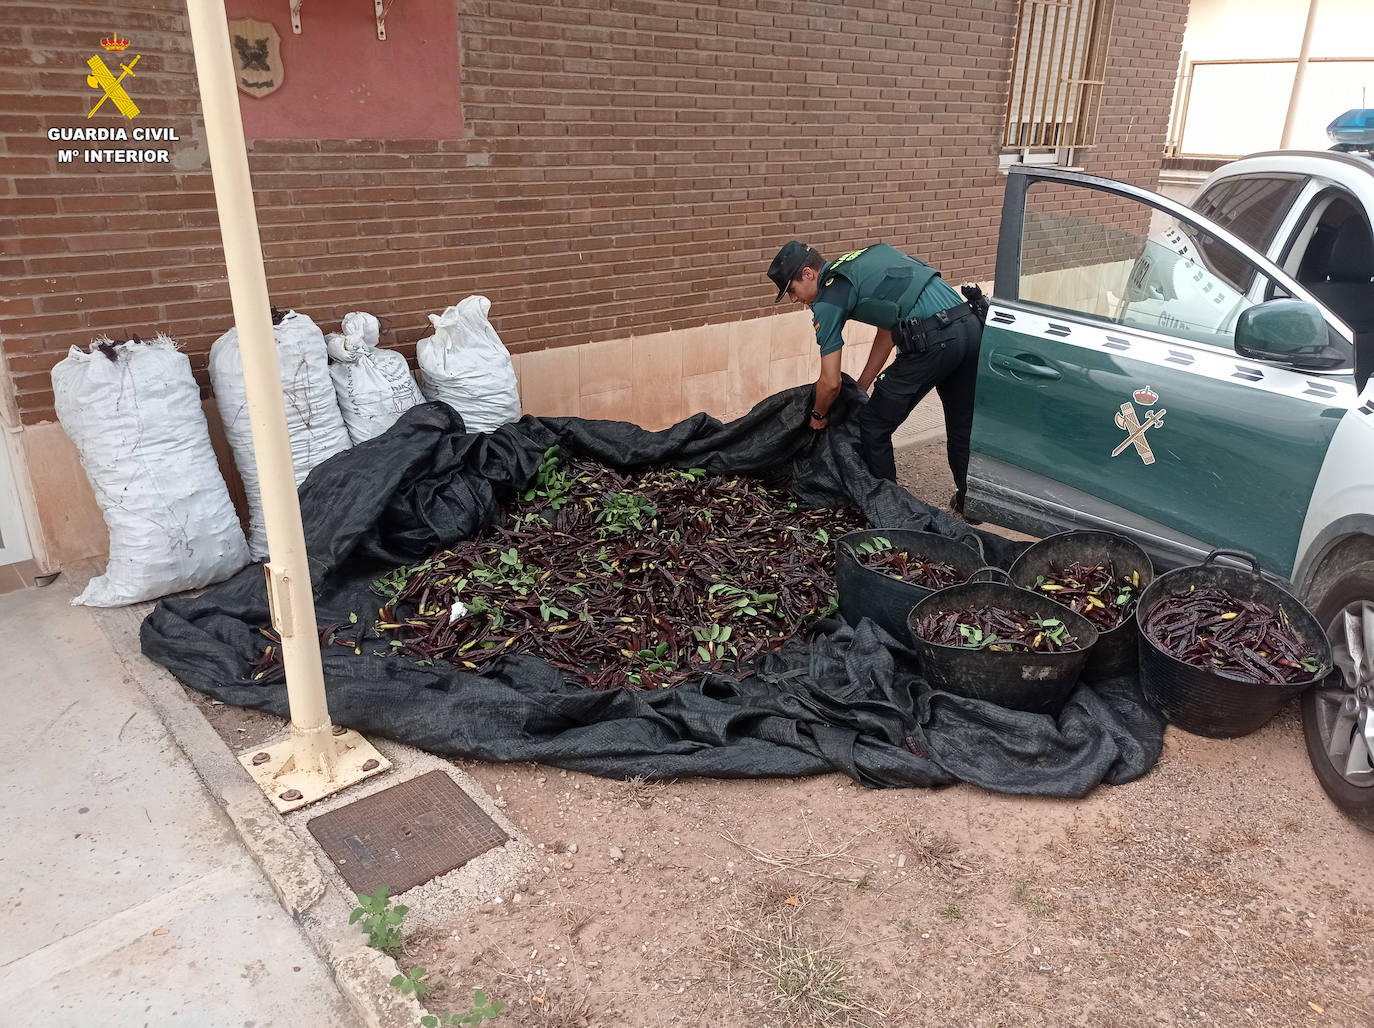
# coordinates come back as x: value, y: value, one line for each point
x: 877, y: 358
x: 827, y: 388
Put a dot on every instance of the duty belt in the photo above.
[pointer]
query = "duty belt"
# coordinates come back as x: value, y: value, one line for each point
x: 913, y: 335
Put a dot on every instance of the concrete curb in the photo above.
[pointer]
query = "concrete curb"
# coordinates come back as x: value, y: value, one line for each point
x: 362, y: 974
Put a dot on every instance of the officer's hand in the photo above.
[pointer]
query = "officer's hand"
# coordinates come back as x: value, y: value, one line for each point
x: 819, y: 423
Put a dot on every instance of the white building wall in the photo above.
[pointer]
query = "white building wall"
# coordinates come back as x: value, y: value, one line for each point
x: 1240, y: 109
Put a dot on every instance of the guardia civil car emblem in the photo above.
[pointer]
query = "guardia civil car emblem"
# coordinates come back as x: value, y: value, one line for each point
x: 1135, y: 428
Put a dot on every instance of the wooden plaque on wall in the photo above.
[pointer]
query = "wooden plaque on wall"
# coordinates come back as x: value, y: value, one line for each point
x: 257, y: 55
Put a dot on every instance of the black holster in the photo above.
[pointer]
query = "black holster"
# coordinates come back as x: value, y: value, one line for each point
x: 976, y: 300
x: 914, y: 336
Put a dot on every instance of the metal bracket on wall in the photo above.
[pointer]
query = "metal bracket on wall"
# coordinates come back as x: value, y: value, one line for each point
x: 381, y: 9
x: 378, y: 7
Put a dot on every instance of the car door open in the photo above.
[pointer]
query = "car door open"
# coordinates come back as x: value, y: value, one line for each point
x: 1110, y: 394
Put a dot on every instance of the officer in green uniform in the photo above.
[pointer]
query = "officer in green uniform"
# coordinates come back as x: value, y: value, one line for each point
x: 935, y: 331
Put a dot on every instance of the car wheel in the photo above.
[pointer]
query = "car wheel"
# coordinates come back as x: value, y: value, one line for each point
x: 1338, y: 714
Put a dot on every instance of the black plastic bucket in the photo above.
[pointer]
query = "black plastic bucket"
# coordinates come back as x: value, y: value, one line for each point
x: 1117, y: 651
x: 864, y: 593
x: 1204, y: 701
x: 1038, y: 682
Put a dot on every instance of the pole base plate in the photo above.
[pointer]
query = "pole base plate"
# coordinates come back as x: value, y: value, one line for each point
x: 290, y: 787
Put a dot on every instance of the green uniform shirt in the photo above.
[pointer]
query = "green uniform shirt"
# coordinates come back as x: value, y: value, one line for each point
x: 879, y: 286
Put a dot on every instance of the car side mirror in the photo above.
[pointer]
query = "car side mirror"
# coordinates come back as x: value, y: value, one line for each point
x: 1289, y: 331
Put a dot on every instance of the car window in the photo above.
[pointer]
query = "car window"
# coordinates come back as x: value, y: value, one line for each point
x: 1251, y: 207
x: 1329, y: 215
x: 1090, y: 252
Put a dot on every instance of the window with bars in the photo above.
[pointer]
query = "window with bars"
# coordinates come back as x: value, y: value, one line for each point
x: 1057, y: 72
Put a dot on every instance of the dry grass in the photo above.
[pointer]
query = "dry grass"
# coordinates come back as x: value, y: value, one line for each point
x: 1035, y: 903
x: 813, y: 861
x: 801, y: 980
x: 1356, y: 921
x: 781, y: 897
x: 641, y: 792
x: 935, y: 852
x: 574, y: 921
x: 1237, y: 842
x: 549, y: 1009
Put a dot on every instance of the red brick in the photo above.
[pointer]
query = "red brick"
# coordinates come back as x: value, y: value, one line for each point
x: 622, y: 171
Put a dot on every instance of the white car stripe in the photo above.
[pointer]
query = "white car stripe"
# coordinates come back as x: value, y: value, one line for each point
x: 1174, y: 354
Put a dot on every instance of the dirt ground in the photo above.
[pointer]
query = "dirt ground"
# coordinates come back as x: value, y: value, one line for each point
x: 1222, y: 888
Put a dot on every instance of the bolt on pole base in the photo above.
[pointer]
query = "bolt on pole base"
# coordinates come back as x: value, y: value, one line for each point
x: 291, y: 787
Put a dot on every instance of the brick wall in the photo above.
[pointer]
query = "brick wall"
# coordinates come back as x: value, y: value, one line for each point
x: 628, y: 166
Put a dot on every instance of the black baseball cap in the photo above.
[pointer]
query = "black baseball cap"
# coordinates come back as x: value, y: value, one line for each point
x: 789, y: 261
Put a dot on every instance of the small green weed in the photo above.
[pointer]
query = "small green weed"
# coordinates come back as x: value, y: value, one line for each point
x: 381, y: 921
x: 1031, y: 900
x: 412, y: 984
x: 483, y: 1009
x: 951, y: 914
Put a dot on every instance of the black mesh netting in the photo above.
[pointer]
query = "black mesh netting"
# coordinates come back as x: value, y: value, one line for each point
x: 845, y: 699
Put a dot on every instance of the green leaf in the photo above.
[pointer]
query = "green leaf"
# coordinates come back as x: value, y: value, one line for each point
x: 429, y: 1021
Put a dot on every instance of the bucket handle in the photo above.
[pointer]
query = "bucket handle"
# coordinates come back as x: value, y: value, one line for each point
x: 996, y: 574
x: 1241, y: 555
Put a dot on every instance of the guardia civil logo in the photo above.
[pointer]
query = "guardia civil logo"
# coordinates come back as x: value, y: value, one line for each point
x: 116, y: 103
x: 103, y: 79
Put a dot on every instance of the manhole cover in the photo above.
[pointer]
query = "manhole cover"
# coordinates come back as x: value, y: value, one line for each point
x: 403, y: 836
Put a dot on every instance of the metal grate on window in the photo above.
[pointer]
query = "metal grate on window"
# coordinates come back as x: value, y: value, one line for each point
x: 1058, y: 68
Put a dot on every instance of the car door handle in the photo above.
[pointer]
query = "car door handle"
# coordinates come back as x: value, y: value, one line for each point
x: 1023, y: 367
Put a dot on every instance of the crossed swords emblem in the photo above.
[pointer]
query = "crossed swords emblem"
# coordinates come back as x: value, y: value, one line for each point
x: 102, y: 78
x: 1136, y: 429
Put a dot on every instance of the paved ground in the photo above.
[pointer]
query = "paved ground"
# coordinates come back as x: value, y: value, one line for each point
x: 130, y: 900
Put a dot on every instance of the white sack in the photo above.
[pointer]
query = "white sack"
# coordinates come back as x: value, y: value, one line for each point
x: 374, y: 386
x: 138, y: 425
x: 313, y: 419
x: 466, y: 365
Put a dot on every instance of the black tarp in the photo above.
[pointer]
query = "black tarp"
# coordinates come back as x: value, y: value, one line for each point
x: 845, y: 699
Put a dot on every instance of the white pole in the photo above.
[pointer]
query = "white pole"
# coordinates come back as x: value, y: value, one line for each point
x: 1299, y: 73
x: 288, y: 575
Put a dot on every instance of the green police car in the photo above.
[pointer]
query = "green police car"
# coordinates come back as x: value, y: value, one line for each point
x: 1198, y: 378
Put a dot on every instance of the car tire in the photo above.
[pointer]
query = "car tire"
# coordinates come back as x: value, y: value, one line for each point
x: 1338, y: 715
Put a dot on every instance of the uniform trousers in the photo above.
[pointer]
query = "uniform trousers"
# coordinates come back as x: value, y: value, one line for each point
x: 949, y: 365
